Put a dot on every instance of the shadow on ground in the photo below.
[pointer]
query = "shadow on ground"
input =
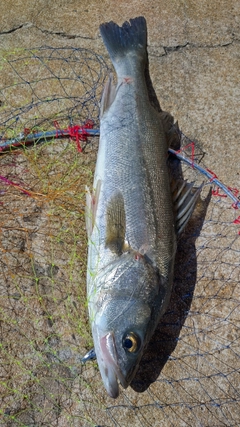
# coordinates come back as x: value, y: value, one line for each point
x: 166, y: 336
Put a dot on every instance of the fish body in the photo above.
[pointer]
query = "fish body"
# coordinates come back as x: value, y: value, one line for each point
x: 130, y: 216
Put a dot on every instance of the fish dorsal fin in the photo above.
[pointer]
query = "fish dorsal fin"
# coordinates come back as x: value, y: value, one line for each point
x: 185, y: 197
x: 115, y: 224
x: 108, y: 95
x: 171, y: 130
x: 91, y: 207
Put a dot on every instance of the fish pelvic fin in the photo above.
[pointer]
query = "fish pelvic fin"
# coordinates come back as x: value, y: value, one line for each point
x: 115, y: 224
x: 131, y: 37
x: 108, y: 95
x: 185, y: 197
x: 91, y: 207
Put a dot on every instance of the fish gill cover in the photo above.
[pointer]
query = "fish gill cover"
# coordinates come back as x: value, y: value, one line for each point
x: 191, y: 367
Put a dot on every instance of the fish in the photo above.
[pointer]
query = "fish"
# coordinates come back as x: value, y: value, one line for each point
x: 133, y: 215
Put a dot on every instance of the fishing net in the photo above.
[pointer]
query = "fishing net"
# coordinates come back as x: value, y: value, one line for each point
x: 189, y: 375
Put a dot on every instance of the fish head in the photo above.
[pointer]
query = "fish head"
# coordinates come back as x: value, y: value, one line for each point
x: 119, y: 343
x: 125, y: 320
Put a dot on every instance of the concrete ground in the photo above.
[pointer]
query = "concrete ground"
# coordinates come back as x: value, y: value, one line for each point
x: 190, y: 374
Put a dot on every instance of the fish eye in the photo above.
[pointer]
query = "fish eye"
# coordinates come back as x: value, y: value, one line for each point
x: 131, y: 342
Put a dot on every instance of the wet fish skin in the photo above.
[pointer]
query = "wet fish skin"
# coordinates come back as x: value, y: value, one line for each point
x: 132, y: 236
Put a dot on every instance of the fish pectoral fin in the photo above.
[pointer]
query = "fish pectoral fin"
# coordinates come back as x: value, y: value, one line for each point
x: 108, y: 95
x: 91, y: 207
x: 115, y: 224
x: 185, y: 197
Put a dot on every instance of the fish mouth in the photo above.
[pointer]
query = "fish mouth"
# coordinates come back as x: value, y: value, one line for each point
x: 108, y: 366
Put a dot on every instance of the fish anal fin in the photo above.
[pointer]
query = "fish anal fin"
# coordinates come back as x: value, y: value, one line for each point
x: 185, y: 197
x: 116, y: 224
x: 91, y: 207
x: 88, y: 213
x: 108, y: 95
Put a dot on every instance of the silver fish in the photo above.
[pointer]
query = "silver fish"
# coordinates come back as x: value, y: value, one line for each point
x: 130, y: 216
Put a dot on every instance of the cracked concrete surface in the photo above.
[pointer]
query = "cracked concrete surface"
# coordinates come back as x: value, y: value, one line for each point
x: 194, y: 64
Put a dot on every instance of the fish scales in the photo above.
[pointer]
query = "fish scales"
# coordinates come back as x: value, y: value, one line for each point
x: 135, y: 147
x: 131, y: 225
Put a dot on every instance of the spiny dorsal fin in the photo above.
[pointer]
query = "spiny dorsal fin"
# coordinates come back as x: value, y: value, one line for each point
x: 115, y: 224
x: 185, y: 197
x: 108, y: 95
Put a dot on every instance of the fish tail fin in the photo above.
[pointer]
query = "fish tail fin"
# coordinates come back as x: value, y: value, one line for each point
x: 130, y: 38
